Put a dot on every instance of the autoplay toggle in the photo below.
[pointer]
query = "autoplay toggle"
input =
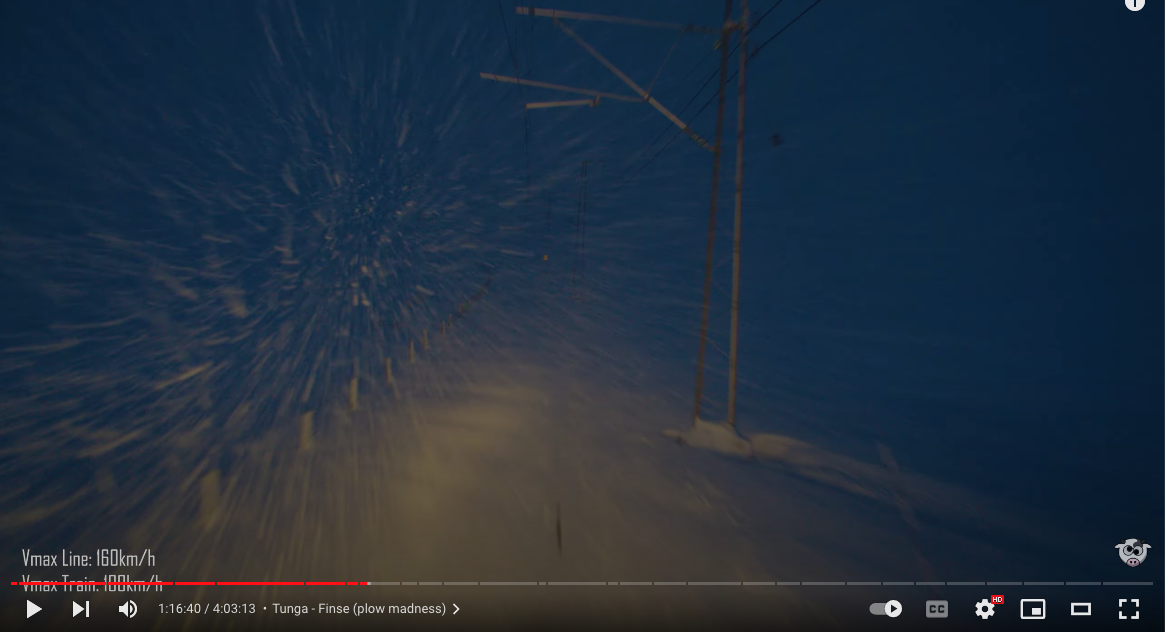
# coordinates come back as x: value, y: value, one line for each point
x: 891, y: 608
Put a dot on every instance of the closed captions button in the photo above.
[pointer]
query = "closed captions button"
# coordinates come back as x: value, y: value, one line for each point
x: 936, y: 609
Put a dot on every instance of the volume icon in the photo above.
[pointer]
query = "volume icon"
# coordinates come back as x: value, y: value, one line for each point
x: 129, y: 609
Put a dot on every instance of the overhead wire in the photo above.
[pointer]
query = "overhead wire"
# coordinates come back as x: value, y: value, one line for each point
x: 702, y: 86
x: 756, y: 22
x: 713, y: 97
x: 509, y: 44
x: 691, y: 70
x: 791, y: 23
x: 661, y: 66
x: 525, y: 112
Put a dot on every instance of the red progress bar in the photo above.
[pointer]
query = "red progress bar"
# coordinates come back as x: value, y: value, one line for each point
x: 189, y: 583
x: 193, y: 583
x: 92, y: 583
x: 261, y: 583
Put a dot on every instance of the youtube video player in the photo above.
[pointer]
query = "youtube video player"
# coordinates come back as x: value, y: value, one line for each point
x: 671, y: 314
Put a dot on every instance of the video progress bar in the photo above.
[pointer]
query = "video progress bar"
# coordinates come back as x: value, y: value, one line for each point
x: 739, y: 583
x: 190, y: 583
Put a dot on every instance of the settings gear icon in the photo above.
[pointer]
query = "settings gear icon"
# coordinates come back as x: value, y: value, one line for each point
x: 984, y: 609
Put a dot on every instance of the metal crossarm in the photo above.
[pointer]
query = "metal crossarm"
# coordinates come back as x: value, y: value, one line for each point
x: 560, y: 88
x: 634, y: 86
x: 562, y: 104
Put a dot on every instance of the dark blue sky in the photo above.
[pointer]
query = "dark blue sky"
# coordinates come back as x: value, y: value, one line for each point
x: 967, y: 218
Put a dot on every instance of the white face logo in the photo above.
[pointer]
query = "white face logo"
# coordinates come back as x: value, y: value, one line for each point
x: 1133, y: 551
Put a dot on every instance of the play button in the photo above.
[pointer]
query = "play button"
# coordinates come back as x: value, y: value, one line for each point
x: 893, y: 608
x: 31, y: 609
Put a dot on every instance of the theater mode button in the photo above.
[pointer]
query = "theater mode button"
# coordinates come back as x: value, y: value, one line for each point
x: 891, y: 608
